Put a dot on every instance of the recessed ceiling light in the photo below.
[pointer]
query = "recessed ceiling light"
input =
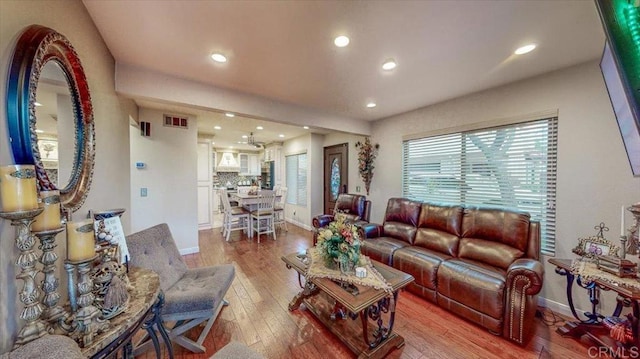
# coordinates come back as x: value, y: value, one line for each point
x: 371, y: 105
x: 217, y: 127
x: 341, y: 41
x: 389, y: 65
x: 525, y: 49
x: 219, y: 58
x: 306, y: 127
x: 244, y: 136
x: 229, y: 114
x: 259, y: 128
x: 38, y: 104
x: 230, y: 146
x: 213, y: 143
x: 280, y: 135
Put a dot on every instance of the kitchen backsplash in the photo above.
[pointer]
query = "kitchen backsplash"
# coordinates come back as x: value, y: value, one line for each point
x: 221, y: 179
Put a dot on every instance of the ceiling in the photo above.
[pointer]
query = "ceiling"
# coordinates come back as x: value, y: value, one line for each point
x: 283, y: 50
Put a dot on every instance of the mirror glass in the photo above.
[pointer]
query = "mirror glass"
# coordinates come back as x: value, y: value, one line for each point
x: 55, y: 124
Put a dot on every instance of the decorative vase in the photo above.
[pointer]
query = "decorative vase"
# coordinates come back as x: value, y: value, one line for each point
x: 347, y: 266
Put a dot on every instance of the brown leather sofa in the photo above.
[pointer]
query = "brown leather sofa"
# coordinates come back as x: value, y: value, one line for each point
x: 356, y: 208
x: 479, y: 263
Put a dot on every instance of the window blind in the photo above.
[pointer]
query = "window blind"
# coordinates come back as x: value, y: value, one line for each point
x: 296, y: 177
x: 511, y: 166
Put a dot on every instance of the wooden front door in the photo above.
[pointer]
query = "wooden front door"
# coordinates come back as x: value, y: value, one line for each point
x: 336, y: 171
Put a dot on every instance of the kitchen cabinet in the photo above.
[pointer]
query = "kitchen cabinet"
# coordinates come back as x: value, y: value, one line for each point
x: 204, y: 169
x: 273, y: 153
x: 249, y: 164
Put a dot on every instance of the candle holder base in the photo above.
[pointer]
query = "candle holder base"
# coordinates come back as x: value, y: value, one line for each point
x: 34, y: 327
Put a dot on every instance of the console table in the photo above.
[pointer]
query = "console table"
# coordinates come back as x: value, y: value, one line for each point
x: 143, y: 311
x: 591, y: 325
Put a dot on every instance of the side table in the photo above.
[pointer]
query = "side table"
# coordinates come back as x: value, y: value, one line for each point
x: 591, y: 325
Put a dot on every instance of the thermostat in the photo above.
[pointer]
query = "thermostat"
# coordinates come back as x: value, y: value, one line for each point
x: 140, y: 165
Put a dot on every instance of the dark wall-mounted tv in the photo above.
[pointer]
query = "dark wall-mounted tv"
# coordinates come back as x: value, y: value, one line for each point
x: 620, y: 67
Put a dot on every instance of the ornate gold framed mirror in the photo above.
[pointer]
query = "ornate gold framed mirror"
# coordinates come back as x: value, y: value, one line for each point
x: 40, y: 50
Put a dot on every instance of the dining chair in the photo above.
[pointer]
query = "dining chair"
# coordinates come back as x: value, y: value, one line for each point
x: 262, y: 219
x: 235, y: 218
x: 278, y: 208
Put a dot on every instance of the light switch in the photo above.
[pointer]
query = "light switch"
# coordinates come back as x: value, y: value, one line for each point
x: 357, y: 189
x: 143, y: 192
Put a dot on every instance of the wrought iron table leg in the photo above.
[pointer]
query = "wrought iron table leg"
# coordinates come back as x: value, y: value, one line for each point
x: 155, y: 322
x: 374, y: 312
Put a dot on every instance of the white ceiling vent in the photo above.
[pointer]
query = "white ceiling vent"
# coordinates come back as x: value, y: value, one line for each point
x: 176, y: 121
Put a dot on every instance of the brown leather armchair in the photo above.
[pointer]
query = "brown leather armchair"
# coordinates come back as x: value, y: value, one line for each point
x: 356, y: 208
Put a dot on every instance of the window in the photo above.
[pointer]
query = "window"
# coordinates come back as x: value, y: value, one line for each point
x: 511, y: 166
x: 296, y: 170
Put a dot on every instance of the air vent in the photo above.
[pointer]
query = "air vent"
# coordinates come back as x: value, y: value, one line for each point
x: 176, y: 121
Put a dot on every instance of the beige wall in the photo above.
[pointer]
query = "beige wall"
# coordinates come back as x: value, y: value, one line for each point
x: 110, y: 187
x: 170, y: 177
x: 594, y: 176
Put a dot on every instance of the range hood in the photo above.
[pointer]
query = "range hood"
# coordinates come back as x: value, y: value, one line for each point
x: 228, y: 163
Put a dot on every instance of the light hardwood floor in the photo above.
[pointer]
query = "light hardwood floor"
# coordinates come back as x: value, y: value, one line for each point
x: 257, y: 314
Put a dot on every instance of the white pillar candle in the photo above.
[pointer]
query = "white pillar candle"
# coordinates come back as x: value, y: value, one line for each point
x: 18, y: 188
x: 622, y: 221
x: 49, y: 218
x: 80, y: 240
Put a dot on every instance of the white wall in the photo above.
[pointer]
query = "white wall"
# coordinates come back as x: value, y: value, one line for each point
x: 594, y: 176
x: 170, y: 177
x: 110, y: 188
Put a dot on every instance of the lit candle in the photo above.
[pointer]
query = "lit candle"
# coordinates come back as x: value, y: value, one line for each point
x: 622, y: 221
x: 80, y: 240
x: 49, y: 218
x: 18, y: 188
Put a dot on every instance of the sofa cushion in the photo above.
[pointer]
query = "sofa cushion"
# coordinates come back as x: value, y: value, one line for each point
x: 439, y: 228
x: 401, y: 219
x: 422, y: 264
x: 492, y: 253
x: 381, y: 249
x: 473, y: 284
x: 498, y: 225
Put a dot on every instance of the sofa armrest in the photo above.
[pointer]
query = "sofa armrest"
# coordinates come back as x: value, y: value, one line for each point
x: 370, y: 230
x: 525, y: 274
x: 524, y: 282
x: 322, y: 220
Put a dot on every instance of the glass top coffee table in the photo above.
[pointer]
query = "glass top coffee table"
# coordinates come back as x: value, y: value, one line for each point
x: 338, y: 306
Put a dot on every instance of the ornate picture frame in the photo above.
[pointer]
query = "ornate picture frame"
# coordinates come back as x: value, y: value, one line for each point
x: 592, y: 247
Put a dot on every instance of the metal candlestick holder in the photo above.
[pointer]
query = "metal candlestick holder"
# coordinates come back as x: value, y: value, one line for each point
x: 53, y: 312
x: 27, y: 259
x: 633, y: 240
x: 86, y: 321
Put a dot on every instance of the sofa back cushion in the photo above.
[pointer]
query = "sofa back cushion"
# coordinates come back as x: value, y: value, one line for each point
x: 439, y: 228
x: 401, y: 219
x: 353, y: 205
x: 494, y: 236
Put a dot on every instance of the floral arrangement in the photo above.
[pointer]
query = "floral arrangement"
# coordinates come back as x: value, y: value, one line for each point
x: 339, y: 243
x: 366, y: 156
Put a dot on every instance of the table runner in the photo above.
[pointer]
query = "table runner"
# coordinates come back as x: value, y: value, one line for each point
x: 317, y: 269
x: 589, y: 272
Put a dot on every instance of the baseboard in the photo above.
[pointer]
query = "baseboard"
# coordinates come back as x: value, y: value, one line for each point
x: 191, y: 250
x: 299, y: 224
x: 557, y: 307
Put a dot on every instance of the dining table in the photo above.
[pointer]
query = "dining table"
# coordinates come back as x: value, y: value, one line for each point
x: 250, y: 203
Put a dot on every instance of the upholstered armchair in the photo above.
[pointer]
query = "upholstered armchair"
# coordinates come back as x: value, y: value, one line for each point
x: 354, y: 207
x: 192, y: 296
